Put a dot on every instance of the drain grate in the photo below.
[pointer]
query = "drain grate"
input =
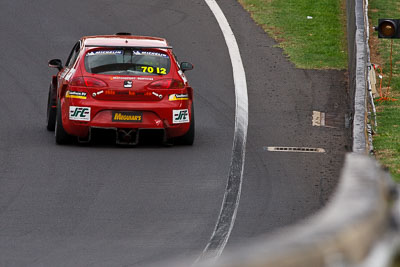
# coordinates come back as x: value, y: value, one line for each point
x: 330, y: 120
x: 294, y: 149
x: 318, y: 118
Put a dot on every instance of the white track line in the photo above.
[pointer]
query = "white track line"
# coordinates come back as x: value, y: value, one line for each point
x: 230, y: 204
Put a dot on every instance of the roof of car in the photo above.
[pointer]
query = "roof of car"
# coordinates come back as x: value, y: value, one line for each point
x: 124, y: 40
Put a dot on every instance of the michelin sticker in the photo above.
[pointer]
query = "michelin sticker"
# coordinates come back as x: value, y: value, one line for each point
x: 180, y: 116
x: 79, y: 113
x: 105, y: 52
x: 149, y: 53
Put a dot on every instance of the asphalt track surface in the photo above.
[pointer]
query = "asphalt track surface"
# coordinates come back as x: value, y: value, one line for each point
x: 103, y: 205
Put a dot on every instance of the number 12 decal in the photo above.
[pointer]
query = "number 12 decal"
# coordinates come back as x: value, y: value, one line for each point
x: 157, y: 70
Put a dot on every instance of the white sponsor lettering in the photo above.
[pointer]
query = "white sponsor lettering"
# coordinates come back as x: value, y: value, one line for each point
x: 132, y: 78
x: 149, y: 53
x: 105, y: 52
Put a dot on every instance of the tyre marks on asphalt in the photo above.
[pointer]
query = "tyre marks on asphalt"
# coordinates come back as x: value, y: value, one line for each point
x: 230, y: 203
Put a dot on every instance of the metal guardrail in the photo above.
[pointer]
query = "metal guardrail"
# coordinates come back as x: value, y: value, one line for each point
x: 358, y: 71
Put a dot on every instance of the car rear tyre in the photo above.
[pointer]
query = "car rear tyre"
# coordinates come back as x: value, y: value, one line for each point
x: 62, y: 137
x: 51, y: 113
x: 188, y: 138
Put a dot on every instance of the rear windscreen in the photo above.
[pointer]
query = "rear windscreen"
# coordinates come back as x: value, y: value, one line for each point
x: 127, y: 62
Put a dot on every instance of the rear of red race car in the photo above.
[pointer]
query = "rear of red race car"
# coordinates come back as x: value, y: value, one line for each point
x: 124, y: 83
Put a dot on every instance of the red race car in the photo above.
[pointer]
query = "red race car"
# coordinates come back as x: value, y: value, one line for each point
x: 126, y: 83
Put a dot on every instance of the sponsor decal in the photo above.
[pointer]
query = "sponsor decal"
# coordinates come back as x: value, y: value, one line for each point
x: 141, y: 93
x: 175, y: 97
x: 75, y: 94
x: 149, y: 53
x: 122, y: 78
x: 149, y: 69
x: 105, y: 52
x: 122, y: 92
x: 132, y: 78
x: 110, y: 92
x: 79, y: 113
x: 127, y: 116
x: 127, y: 84
x: 144, y: 79
x: 180, y: 116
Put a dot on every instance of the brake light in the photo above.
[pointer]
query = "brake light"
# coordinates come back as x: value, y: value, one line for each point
x: 88, y: 82
x: 166, y: 84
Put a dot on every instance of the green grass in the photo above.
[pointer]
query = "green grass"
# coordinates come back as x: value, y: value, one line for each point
x: 317, y: 43
x: 387, y: 137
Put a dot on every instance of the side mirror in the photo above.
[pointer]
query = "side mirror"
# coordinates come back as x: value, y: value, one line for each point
x: 186, y: 66
x: 56, y: 63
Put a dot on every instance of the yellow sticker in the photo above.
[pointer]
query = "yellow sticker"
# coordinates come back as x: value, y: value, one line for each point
x: 156, y: 70
x: 176, y: 97
x: 130, y: 116
x: 75, y: 94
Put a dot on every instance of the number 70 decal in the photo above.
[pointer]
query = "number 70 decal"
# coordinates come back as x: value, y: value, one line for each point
x: 156, y: 70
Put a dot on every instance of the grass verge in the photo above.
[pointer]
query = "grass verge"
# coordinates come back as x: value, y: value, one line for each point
x: 311, y: 32
x: 387, y: 136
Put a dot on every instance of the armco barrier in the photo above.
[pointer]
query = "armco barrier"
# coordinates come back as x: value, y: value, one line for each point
x: 358, y: 70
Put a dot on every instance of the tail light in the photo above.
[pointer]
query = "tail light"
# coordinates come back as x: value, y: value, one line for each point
x: 166, y: 84
x: 88, y: 82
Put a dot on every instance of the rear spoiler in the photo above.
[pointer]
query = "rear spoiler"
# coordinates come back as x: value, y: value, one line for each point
x: 132, y: 47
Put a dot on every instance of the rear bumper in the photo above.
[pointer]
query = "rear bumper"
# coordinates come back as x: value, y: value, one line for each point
x: 154, y: 115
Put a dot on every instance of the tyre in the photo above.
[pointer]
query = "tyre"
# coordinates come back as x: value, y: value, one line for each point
x: 188, y: 138
x: 62, y: 137
x: 51, y: 113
